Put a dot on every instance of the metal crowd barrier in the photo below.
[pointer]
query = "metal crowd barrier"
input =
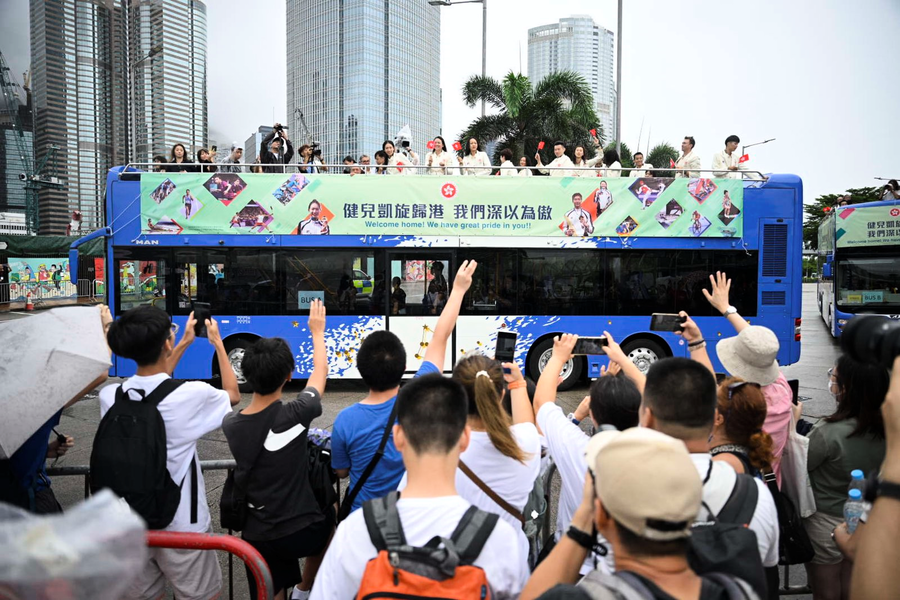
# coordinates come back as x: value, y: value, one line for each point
x: 42, y: 291
x: 338, y: 169
x: 218, y: 541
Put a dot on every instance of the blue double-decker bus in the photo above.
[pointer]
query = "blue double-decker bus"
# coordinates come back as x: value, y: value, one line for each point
x: 555, y: 254
x: 859, y: 249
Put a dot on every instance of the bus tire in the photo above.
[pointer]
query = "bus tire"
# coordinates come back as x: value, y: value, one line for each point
x: 540, y: 354
x: 235, y: 348
x: 643, y: 352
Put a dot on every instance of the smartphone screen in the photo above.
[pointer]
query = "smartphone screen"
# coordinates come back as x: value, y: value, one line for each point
x: 201, y: 314
x: 590, y: 345
x: 666, y: 322
x: 506, y: 346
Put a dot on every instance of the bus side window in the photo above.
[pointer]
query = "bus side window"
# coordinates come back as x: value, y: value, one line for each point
x: 141, y: 282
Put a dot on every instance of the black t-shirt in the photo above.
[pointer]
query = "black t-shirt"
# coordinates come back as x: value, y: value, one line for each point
x: 709, y: 590
x: 278, y: 491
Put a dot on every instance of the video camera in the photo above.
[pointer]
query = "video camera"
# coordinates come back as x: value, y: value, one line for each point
x: 872, y: 339
x: 316, y: 149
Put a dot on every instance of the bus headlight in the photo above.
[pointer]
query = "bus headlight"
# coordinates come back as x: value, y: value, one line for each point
x: 842, y: 322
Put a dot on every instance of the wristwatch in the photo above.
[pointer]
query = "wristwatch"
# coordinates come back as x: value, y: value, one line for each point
x: 582, y: 538
x: 877, y: 487
x: 729, y: 311
x: 571, y: 417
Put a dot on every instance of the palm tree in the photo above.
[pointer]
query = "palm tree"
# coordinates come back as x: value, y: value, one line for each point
x: 660, y: 158
x: 559, y: 107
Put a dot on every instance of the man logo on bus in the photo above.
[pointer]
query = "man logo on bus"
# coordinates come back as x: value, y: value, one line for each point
x: 895, y: 212
x: 448, y: 190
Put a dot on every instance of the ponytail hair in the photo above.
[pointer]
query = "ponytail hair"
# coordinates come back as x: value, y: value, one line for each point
x: 482, y: 379
x: 744, y: 411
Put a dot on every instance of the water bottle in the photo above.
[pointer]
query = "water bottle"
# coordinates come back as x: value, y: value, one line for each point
x: 857, y: 481
x: 853, y: 509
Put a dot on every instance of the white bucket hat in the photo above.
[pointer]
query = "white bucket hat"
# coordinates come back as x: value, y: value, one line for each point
x: 751, y: 355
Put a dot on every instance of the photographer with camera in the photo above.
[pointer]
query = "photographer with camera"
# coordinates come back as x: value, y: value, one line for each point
x: 272, y: 152
x: 891, y: 191
x: 311, y: 158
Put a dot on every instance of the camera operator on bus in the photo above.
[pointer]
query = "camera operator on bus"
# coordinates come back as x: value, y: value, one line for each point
x: 271, y: 150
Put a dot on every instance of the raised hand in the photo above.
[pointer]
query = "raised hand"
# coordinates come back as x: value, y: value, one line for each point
x: 316, y: 317
x: 614, y: 351
x: 610, y: 371
x: 690, y: 331
x: 721, y: 285
x: 563, y: 346
x: 464, y: 275
x: 515, y: 373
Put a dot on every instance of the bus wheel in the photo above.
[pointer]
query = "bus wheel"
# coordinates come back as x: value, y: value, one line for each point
x: 540, y: 354
x: 235, y: 348
x: 644, y: 352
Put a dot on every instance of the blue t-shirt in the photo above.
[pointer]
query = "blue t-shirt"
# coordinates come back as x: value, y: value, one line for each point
x: 354, y: 440
x: 29, y: 461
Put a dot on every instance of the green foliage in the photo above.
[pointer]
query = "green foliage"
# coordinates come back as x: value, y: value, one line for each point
x: 660, y: 157
x: 559, y: 107
x: 815, y: 213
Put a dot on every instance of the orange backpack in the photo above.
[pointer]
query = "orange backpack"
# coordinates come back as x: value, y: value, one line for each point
x: 441, y: 569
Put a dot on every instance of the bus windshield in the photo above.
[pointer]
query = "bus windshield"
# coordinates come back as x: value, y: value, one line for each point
x: 868, y: 283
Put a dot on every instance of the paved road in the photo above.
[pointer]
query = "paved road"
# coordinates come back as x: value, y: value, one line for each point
x: 81, y: 420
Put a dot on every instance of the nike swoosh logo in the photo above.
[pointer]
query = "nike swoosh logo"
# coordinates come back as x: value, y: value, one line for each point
x: 277, y: 441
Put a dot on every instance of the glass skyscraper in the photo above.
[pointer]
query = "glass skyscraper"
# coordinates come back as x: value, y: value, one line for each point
x: 578, y: 44
x: 359, y: 70
x: 166, y: 52
x: 113, y: 81
x: 76, y: 90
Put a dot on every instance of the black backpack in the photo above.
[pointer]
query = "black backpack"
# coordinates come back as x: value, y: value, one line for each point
x: 322, y: 477
x: 726, y: 544
x: 129, y: 457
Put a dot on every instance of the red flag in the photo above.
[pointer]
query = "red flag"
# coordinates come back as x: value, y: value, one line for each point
x: 744, y: 158
x: 430, y: 145
x: 541, y: 145
x: 457, y: 146
x: 671, y: 163
x: 594, y: 132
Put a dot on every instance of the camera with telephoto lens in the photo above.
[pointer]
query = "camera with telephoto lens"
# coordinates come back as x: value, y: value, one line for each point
x: 872, y: 339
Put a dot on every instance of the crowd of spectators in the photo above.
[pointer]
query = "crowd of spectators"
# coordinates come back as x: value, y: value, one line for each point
x: 276, y: 153
x: 443, y: 471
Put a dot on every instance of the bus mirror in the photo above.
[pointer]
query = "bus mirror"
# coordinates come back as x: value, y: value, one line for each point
x: 826, y: 270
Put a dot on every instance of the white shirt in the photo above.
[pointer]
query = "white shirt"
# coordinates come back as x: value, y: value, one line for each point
x: 639, y: 171
x: 613, y: 170
x: 190, y: 412
x: 720, y: 163
x: 398, y: 160
x: 441, y: 164
x: 510, y: 479
x: 525, y: 172
x: 716, y: 492
x: 471, y: 164
x: 422, y: 518
x: 603, y: 198
x: 573, y: 219
x: 690, y: 162
x: 507, y: 169
x: 567, y: 443
x: 587, y: 163
x: 312, y: 227
x: 561, y: 161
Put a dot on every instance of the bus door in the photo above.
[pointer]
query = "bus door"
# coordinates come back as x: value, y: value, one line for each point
x: 420, y: 286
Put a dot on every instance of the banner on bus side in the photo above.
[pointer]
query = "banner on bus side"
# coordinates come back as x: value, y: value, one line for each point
x: 868, y: 226
x: 573, y: 207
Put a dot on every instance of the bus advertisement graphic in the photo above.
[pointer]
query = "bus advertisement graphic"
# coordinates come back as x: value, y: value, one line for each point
x: 298, y: 204
x: 868, y: 226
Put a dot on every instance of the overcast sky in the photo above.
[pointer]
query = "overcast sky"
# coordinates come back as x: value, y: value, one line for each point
x: 820, y: 76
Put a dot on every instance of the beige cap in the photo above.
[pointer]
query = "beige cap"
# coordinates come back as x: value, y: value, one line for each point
x: 647, y: 481
x: 751, y: 355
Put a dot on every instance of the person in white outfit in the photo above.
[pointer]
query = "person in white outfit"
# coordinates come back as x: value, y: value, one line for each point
x: 640, y: 166
x: 507, y: 168
x: 611, y: 162
x: 524, y: 170
x: 580, y: 161
x: 688, y: 164
x: 727, y: 163
x: 439, y: 161
x: 398, y: 161
x: 561, y: 160
x: 476, y: 162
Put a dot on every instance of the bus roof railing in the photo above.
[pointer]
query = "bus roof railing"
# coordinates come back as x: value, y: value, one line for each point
x: 337, y: 168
